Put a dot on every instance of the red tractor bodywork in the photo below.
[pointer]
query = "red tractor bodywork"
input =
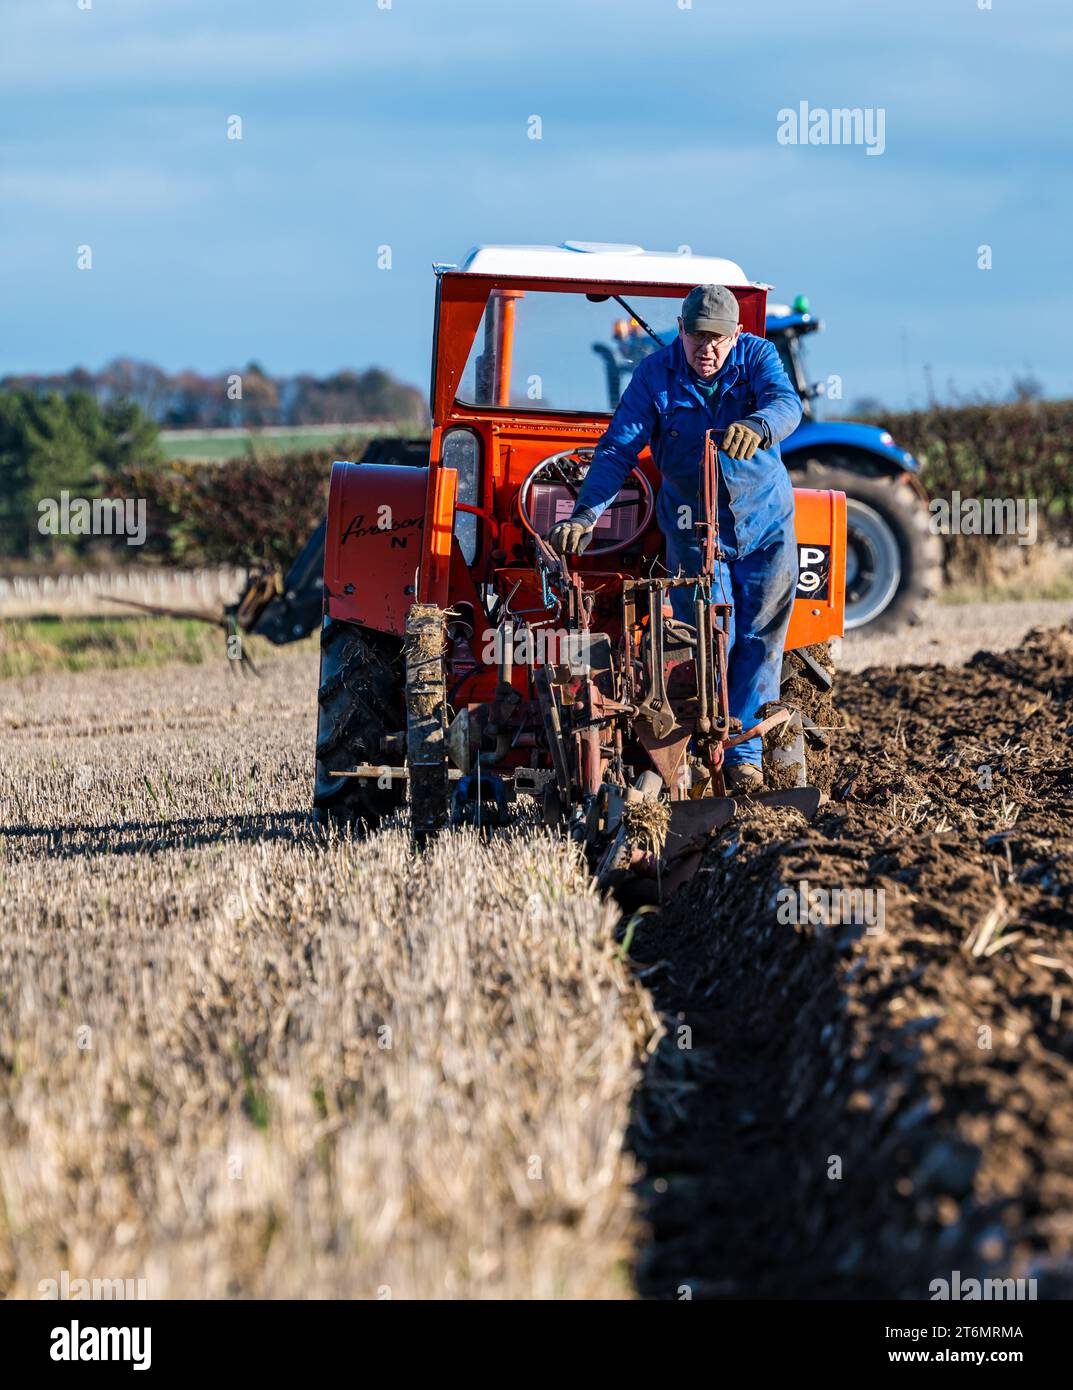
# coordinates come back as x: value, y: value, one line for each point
x: 391, y: 530
x: 524, y: 670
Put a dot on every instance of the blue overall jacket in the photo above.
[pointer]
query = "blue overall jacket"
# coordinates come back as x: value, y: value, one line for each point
x: 665, y: 407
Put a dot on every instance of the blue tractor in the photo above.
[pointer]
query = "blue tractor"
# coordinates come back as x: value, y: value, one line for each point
x: 892, y: 559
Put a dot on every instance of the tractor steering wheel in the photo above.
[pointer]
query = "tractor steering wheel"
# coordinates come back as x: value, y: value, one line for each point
x: 568, y: 468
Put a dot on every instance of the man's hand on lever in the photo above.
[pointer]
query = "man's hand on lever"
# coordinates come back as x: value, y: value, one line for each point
x: 740, y: 441
x: 571, y: 537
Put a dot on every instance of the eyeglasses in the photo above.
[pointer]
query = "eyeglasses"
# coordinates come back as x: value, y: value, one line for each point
x: 703, y: 339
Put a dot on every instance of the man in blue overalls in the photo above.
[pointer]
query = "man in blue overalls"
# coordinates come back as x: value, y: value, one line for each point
x: 713, y: 377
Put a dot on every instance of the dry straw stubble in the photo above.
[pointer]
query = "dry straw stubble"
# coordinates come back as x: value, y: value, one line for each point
x: 238, y: 1061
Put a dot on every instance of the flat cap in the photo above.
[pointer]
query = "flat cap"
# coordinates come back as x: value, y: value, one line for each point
x: 710, y: 309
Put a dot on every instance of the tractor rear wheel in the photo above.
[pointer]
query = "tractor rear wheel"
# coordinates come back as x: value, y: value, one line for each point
x: 893, y: 562
x: 361, y: 700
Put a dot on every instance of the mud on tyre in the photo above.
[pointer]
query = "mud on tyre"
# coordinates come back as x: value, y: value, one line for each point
x: 361, y: 700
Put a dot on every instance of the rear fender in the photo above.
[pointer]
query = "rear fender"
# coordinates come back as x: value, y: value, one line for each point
x: 378, y: 552
x: 373, y: 543
x: 820, y: 600
x: 874, y: 445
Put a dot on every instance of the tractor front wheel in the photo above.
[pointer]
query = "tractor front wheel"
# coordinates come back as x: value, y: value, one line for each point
x: 361, y: 700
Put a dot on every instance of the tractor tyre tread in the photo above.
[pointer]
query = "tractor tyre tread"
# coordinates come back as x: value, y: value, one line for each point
x: 360, y: 700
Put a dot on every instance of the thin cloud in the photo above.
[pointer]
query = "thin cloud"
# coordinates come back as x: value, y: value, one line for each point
x: 117, y: 190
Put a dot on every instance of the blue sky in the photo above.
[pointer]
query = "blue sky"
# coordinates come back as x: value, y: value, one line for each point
x: 407, y: 126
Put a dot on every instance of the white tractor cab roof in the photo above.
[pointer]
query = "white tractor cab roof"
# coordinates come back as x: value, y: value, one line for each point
x: 600, y: 260
x: 505, y: 308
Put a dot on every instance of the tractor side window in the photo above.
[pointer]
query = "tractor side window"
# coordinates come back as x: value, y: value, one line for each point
x: 461, y: 452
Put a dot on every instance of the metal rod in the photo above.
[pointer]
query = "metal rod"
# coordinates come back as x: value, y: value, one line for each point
x: 703, y: 662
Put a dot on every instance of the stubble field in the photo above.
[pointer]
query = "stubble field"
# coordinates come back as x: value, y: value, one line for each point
x: 238, y: 1061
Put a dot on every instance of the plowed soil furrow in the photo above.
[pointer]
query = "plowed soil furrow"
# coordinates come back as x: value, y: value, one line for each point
x: 863, y: 1106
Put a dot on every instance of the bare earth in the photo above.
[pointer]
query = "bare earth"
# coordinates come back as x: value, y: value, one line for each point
x: 951, y: 633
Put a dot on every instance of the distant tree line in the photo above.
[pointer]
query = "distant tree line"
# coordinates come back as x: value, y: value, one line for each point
x: 247, y: 511
x: 245, y: 398
x: 52, y: 443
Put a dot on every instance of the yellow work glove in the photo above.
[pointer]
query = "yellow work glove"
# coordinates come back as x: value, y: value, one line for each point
x: 740, y: 441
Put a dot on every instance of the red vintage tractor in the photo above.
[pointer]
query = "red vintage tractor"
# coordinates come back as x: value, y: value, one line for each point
x: 463, y: 662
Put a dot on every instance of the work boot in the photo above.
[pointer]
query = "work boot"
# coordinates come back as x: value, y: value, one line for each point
x: 743, y: 779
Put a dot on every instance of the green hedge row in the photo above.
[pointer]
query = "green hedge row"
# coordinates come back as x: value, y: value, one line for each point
x: 995, y: 451
x: 245, y: 511
x: 251, y: 511
x: 52, y: 444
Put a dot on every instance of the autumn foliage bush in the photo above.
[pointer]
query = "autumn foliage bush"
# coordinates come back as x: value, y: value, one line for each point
x: 990, y: 452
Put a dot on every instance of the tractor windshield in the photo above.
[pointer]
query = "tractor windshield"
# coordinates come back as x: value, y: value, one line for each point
x: 539, y: 350
x: 791, y: 349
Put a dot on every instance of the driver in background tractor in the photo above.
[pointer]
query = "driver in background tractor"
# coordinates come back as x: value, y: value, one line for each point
x: 713, y: 377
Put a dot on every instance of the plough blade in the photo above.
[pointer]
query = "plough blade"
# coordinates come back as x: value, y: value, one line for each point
x: 692, y: 818
x: 804, y: 799
x: 693, y: 821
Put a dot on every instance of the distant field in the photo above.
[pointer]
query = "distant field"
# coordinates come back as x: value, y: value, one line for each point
x: 88, y: 594
x: 45, y: 646
x: 225, y: 444
x: 949, y: 634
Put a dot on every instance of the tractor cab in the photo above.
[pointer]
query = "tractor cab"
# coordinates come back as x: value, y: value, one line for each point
x: 518, y: 406
x: 562, y: 674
